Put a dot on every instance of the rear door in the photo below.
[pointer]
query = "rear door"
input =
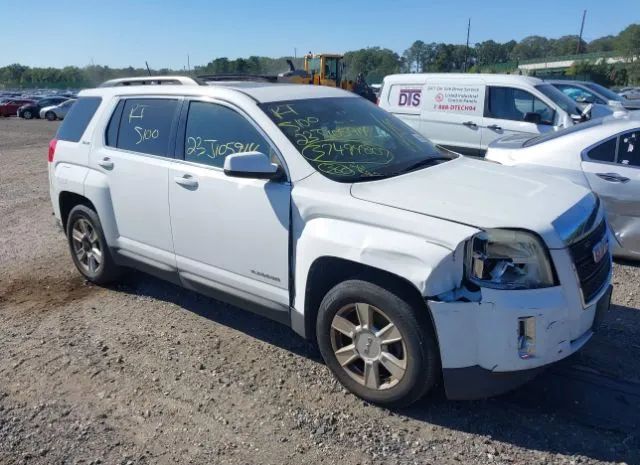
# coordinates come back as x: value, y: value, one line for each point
x: 452, y: 114
x: 135, y: 160
x: 505, y: 111
x: 613, y: 170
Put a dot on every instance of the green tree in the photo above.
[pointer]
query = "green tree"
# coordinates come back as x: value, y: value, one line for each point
x: 373, y: 62
x: 531, y: 47
x: 602, y: 44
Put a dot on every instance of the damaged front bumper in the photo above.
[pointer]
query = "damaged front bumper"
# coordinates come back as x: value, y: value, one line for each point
x: 503, y: 340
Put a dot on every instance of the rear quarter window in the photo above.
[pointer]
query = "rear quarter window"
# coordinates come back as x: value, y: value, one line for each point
x: 78, y: 118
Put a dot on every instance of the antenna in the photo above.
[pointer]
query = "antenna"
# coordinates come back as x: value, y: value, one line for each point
x: 148, y: 70
x: 466, y: 49
x: 579, y: 47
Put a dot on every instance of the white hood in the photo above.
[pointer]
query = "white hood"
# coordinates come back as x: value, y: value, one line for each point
x: 484, y: 195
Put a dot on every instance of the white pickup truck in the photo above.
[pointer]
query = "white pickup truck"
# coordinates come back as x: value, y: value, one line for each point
x: 404, y: 262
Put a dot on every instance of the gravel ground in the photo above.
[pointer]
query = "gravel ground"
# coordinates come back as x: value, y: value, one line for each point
x: 145, y: 372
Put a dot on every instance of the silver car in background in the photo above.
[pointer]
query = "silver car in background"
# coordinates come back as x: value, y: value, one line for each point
x: 55, y: 112
x: 586, y: 92
x: 602, y: 154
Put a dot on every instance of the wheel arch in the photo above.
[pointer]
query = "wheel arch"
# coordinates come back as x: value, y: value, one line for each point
x: 328, y: 271
x: 67, y: 201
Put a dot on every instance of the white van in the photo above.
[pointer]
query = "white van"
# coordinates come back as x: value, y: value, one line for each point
x: 466, y: 112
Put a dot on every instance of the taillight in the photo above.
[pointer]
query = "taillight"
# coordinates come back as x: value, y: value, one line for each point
x: 52, y: 149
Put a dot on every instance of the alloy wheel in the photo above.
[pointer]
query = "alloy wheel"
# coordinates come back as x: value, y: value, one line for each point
x: 369, y: 346
x: 86, y: 246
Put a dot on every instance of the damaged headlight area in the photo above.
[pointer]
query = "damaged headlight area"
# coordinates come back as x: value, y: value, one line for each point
x: 508, y: 259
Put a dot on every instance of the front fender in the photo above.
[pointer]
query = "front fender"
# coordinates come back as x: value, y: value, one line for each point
x: 431, y: 268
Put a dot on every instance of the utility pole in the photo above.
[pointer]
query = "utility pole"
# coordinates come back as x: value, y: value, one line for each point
x: 295, y: 52
x: 188, y: 64
x: 466, y: 49
x: 579, y: 47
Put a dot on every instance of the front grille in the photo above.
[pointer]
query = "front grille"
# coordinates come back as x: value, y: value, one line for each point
x: 592, y: 275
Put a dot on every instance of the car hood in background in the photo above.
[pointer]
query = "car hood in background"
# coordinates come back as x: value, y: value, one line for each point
x: 485, y: 195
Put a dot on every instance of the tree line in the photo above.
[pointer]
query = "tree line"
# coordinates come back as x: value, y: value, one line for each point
x: 376, y: 62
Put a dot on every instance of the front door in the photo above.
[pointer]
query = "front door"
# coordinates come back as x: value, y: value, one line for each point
x: 505, y: 112
x: 613, y: 170
x: 230, y: 234
x: 135, y: 162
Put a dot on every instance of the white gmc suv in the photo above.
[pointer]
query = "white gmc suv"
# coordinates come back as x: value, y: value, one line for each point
x: 404, y: 262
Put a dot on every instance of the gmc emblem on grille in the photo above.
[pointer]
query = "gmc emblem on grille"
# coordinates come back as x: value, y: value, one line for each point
x: 600, y: 249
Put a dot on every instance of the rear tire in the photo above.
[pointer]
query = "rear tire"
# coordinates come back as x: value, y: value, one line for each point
x: 88, y: 246
x: 377, y: 344
x: 51, y: 116
x: 27, y: 114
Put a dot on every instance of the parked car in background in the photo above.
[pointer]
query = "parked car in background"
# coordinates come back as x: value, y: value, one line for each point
x: 55, y: 112
x: 630, y: 93
x: 466, y: 112
x: 403, y: 261
x: 32, y: 110
x: 9, y: 107
x: 603, y: 155
x: 590, y: 92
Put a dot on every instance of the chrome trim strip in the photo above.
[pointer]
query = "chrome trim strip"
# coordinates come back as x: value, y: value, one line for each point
x: 580, y: 220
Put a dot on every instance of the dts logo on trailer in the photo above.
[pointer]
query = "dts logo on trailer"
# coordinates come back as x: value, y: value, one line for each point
x: 409, y: 97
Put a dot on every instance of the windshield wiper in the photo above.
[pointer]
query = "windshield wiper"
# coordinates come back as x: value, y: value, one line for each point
x: 425, y: 162
x: 413, y: 167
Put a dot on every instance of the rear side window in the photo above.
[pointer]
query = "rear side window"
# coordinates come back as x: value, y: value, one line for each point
x: 143, y: 125
x: 77, y: 120
x: 629, y: 149
x: 604, y: 152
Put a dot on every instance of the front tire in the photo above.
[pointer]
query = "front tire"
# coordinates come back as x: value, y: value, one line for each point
x: 88, y: 246
x: 51, y: 116
x: 27, y: 114
x: 378, y: 345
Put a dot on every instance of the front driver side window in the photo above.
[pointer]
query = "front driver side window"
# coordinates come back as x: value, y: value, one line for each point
x: 513, y: 104
x: 214, y: 131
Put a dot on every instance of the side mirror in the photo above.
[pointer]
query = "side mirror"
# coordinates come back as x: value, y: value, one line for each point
x: 532, y: 117
x: 250, y: 165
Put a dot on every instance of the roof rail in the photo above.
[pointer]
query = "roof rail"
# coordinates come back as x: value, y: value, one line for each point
x: 237, y: 77
x: 152, y: 81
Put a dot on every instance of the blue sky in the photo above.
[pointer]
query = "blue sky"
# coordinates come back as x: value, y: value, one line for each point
x: 121, y: 33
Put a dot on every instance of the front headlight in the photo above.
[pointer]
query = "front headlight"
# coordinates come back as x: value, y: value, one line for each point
x: 508, y: 259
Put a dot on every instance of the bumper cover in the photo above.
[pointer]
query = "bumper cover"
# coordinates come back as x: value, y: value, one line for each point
x: 479, y: 340
x: 477, y: 383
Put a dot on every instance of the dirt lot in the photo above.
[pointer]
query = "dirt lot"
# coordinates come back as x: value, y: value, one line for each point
x: 145, y: 372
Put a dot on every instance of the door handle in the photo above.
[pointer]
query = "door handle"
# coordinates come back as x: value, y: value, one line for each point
x: 613, y: 177
x: 186, y: 180
x: 470, y: 124
x: 495, y: 127
x: 106, y: 163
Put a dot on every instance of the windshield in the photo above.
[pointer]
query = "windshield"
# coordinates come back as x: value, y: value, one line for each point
x: 609, y: 94
x: 349, y: 139
x: 559, y: 98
